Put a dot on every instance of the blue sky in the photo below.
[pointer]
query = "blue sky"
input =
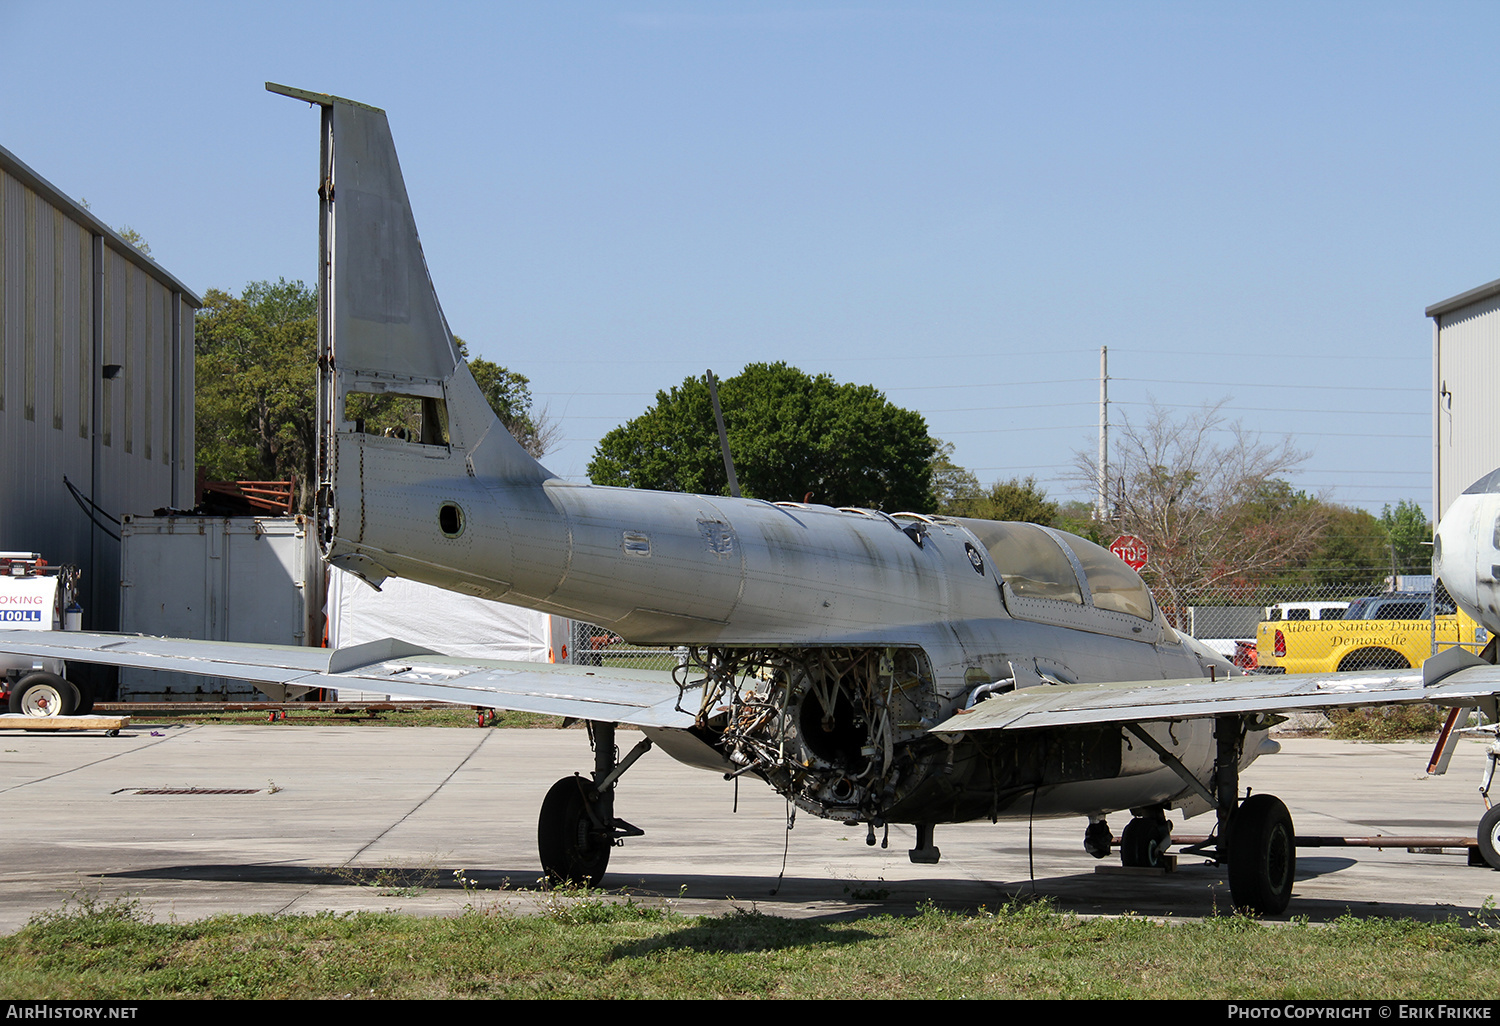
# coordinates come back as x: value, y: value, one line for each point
x: 956, y: 202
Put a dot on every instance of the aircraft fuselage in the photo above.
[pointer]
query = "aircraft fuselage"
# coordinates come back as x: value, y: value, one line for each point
x: 833, y: 639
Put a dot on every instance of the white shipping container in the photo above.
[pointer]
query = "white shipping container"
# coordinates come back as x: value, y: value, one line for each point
x: 246, y: 579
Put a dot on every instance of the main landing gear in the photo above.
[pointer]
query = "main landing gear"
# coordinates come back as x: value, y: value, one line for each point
x: 1262, y: 855
x: 1489, y: 824
x: 578, y: 826
x: 1255, y: 837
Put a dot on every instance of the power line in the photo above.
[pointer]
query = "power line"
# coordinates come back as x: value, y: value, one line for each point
x: 1270, y: 384
x: 994, y: 384
x: 1261, y: 356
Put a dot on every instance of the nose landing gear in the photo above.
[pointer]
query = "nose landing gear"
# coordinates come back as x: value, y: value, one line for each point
x: 1097, y: 838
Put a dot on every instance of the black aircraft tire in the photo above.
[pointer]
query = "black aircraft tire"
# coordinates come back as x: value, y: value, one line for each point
x: 85, y: 699
x: 1141, y: 844
x: 1489, y: 837
x: 571, y: 848
x: 1262, y: 856
x: 44, y: 694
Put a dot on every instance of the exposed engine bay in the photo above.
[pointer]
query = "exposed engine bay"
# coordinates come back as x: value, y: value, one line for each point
x: 843, y: 733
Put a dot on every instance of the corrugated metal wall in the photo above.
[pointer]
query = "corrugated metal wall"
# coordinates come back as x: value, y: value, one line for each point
x: 74, y: 298
x: 1466, y: 428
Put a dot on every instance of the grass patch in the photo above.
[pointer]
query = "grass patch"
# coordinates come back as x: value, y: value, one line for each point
x: 592, y: 945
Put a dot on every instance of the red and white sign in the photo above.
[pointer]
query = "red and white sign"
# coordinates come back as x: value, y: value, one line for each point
x: 1130, y: 549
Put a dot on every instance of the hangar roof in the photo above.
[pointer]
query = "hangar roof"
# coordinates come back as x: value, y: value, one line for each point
x: 1464, y: 299
x: 14, y: 166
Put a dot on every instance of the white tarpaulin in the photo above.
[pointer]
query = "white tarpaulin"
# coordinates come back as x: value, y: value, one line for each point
x: 444, y: 621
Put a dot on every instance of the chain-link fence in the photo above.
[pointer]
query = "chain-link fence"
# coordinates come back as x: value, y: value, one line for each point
x: 1234, y: 613
x: 597, y: 646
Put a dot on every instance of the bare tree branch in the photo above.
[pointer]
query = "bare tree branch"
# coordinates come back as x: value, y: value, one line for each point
x: 538, y: 433
x: 1215, y: 513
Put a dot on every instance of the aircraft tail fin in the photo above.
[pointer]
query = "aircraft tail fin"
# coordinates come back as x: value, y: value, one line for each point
x: 381, y: 329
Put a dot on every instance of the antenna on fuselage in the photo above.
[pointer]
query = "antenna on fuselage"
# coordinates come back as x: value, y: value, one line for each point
x: 713, y: 395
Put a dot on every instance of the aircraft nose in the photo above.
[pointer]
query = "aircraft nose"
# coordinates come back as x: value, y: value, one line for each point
x: 1466, y: 550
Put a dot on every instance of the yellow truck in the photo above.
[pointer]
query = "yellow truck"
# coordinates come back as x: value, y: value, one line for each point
x: 1389, y: 632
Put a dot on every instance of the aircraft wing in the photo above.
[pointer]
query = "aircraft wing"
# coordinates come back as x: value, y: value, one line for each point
x: 646, y: 698
x: 1453, y: 677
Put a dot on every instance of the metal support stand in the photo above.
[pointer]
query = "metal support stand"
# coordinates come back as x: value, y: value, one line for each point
x: 1230, y: 738
x: 602, y: 810
x: 925, y: 853
x: 607, y: 770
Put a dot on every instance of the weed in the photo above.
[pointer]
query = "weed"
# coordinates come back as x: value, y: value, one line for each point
x: 390, y: 881
x: 471, y: 893
x: 1237, y: 921
x: 82, y: 907
x: 1033, y: 911
x: 1486, y: 917
x: 576, y: 905
x: 600, y: 947
x: 1386, y: 723
x: 928, y: 909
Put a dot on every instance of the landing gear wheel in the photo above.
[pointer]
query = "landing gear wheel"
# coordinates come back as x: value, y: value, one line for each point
x: 44, y: 694
x: 573, y: 849
x: 1263, y: 856
x: 1097, y: 839
x: 1144, y: 841
x: 1489, y: 837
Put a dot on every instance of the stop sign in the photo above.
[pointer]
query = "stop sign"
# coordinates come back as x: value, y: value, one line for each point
x: 1130, y: 549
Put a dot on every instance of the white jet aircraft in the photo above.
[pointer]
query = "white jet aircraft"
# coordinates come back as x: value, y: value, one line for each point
x: 873, y: 668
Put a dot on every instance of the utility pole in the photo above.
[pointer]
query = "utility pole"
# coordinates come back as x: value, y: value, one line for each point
x: 1102, y: 513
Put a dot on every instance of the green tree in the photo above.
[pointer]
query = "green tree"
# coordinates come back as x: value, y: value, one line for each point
x: 133, y: 237
x: 793, y: 436
x: 255, y: 356
x: 256, y: 416
x: 953, y: 488
x: 1408, y: 537
x: 1350, y: 553
x: 1078, y: 517
x: 1016, y: 499
x: 1019, y: 499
